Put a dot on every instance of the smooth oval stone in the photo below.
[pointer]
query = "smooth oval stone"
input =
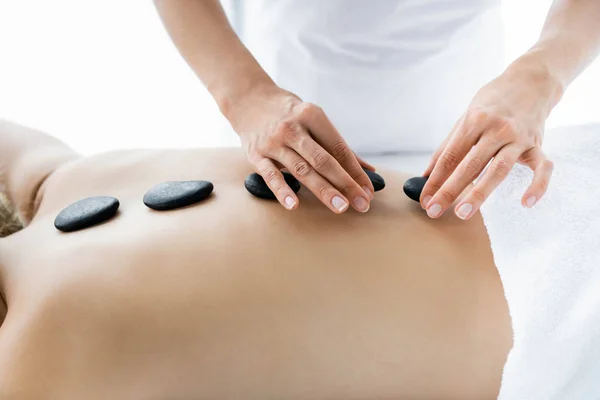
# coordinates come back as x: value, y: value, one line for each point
x: 376, y: 179
x: 176, y: 194
x: 257, y: 186
x: 414, y: 186
x: 86, y: 212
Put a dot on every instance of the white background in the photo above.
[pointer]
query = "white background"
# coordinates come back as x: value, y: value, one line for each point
x: 104, y: 74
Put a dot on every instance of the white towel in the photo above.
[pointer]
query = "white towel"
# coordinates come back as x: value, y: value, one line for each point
x: 549, y: 261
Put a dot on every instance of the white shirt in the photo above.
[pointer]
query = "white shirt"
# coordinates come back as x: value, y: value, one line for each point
x: 392, y: 75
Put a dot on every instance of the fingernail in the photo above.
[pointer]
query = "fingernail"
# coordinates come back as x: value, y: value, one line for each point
x: 426, y: 201
x: 464, y: 211
x: 361, y: 204
x: 530, y: 202
x: 289, y: 202
x: 339, y: 203
x: 434, y: 211
x: 368, y: 191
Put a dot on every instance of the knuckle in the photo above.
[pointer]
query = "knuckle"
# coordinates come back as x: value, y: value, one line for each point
x: 286, y: 130
x: 341, y: 151
x: 446, y: 196
x: 270, y: 176
x: 450, y: 160
x: 301, y: 169
x: 261, y: 164
x: 321, y: 160
x: 477, y: 115
x: 474, y: 166
x: 272, y: 149
x: 254, y: 157
x: 268, y: 147
x: 346, y: 188
x: 508, y: 124
x: 526, y: 157
x: 432, y: 187
x: 506, y: 132
x: 477, y: 195
x: 280, y: 191
x: 323, y: 192
x: 305, y: 142
x: 544, y: 183
x: 307, y: 110
x: 359, y: 176
x: 500, y: 167
x: 252, y: 146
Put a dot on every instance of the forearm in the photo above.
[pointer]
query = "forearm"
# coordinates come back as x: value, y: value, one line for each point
x: 27, y: 157
x: 202, y: 34
x: 569, y: 41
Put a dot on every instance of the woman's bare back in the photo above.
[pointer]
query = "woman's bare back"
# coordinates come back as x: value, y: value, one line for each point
x: 238, y: 298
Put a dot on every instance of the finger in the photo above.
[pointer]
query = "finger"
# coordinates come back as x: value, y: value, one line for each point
x: 438, y: 151
x: 314, y: 182
x: 434, y: 158
x: 325, y: 134
x: 495, y: 173
x: 542, y: 173
x: 458, y: 147
x: 468, y: 169
x: 275, y: 181
x: 365, y: 164
x: 328, y: 167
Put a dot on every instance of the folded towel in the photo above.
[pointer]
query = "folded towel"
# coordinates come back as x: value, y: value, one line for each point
x: 548, y: 259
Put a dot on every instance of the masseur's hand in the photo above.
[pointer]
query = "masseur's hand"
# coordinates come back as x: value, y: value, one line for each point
x: 504, y: 124
x: 278, y: 130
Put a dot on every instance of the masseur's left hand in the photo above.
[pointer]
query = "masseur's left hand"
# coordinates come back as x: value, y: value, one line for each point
x: 503, y: 124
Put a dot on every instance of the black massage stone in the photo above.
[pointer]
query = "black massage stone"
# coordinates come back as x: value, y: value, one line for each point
x: 376, y: 179
x: 86, y: 212
x: 257, y: 186
x: 176, y: 194
x: 414, y: 186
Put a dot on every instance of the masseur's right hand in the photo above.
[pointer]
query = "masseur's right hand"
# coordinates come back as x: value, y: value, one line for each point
x: 278, y: 130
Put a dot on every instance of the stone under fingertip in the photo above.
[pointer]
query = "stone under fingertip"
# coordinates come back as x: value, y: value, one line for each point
x: 376, y: 179
x: 414, y: 186
x: 256, y: 185
x: 86, y: 213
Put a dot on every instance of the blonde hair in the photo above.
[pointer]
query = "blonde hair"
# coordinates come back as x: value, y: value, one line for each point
x: 9, y: 220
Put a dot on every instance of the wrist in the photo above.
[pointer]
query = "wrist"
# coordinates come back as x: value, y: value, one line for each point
x: 533, y: 71
x: 232, y: 96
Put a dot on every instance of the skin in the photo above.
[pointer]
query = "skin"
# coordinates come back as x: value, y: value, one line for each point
x: 234, y: 297
x: 277, y: 129
x: 505, y: 122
